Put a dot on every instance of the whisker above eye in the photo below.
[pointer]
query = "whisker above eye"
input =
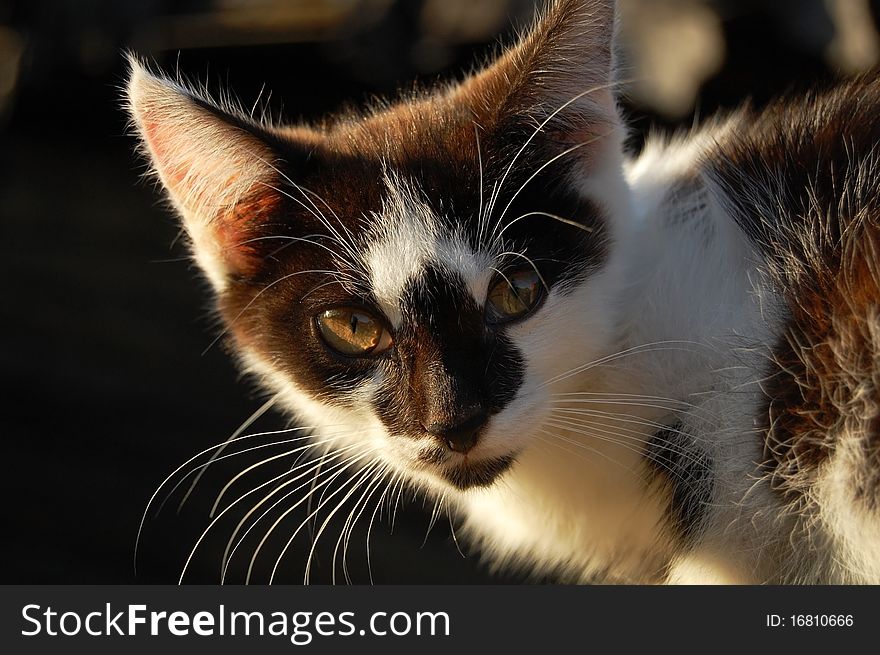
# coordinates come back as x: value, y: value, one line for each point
x: 480, y: 218
x: 496, y: 238
x: 321, y: 286
x: 290, y: 240
x: 540, y: 127
x: 308, y: 194
x: 314, y: 212
x: 555, y: 217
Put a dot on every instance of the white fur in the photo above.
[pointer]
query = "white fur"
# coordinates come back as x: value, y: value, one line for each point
x: 853, y: 527
x: 406, y: 237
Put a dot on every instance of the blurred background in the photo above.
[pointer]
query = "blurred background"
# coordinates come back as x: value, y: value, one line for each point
x: 109, y: 377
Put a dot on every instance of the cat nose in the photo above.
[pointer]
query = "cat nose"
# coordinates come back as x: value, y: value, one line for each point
x: 461, y: 436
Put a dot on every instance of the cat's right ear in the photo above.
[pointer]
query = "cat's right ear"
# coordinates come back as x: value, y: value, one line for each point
x: 557, y: 79
x: 217, y: 165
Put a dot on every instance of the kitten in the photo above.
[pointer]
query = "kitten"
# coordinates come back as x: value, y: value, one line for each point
x: 659, y: 369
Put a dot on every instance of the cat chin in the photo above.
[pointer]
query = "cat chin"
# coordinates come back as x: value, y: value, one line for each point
x: 437, y: 471
x: 463, y: 473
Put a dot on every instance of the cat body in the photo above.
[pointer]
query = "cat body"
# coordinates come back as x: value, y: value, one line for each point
x: 601, y: 365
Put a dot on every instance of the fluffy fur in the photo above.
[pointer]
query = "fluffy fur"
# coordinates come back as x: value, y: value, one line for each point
x: 694, y: 397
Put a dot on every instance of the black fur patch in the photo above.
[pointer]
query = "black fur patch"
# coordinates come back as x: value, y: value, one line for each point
x: 689, y: 472
x: 449, y: 363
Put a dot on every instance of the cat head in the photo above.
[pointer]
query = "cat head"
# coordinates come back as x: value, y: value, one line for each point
x: 416, y: 281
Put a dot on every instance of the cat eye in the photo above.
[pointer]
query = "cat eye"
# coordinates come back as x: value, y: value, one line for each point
x: 513, y: 295
x: 353, y: 332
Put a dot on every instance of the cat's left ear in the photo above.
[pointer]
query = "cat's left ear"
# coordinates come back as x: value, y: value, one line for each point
x: 559, y: 75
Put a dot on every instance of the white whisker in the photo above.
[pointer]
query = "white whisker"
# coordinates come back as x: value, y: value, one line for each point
x: 187, y: 463
x: 493, y: 199
x: 495, y: 239
x: 339, y: 466
x: 301, y: 525
x: 241, y: 428
x: 355, y: 482
x: 655, y: 346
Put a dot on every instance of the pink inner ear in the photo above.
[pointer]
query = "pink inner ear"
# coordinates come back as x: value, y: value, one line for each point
x: 232, y: 230
x: 152, y: 135
x: 235, y: 232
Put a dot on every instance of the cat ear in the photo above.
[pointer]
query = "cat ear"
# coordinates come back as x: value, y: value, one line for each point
x: 560, y: 74
x: 216, y: 165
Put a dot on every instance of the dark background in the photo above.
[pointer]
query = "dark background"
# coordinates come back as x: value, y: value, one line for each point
x: 109, y: 382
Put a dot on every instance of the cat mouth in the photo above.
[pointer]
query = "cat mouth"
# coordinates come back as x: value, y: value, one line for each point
x: 463, y: 473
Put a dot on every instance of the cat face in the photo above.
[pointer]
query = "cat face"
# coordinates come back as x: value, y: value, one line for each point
x: 415, y: 283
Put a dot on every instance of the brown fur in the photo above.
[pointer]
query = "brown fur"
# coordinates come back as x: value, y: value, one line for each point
x: 802, y: 177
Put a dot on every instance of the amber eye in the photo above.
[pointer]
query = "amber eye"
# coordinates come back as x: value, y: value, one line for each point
x: 513, y: 295
x: 353, y: 332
